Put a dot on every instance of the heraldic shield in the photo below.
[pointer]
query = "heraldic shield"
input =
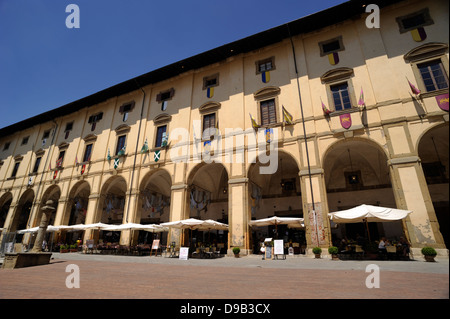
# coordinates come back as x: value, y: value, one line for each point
x: 346, y: 120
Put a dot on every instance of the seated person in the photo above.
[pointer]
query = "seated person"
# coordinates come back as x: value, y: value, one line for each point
x: 382, y: 245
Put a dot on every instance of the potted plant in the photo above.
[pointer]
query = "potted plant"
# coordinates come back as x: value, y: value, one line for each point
x: 429, y: 253
x: 236, y: 251
x: 317, y: 251
x: 63, y: 249
x: 333, y: 251
x: 73, y: 248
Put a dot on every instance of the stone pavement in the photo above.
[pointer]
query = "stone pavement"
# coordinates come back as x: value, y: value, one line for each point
x: 247, y: 279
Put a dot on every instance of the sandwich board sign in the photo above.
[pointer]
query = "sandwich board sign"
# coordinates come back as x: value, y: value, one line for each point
x: 184, y: 252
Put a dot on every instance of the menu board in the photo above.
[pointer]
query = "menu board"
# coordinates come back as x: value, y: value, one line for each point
x: 155, y: 244
x: 184, y: 253
x: 278, y: 247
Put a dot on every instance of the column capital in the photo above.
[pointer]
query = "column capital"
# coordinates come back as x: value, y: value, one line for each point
x: 403, y: 160
x: 314, y: 171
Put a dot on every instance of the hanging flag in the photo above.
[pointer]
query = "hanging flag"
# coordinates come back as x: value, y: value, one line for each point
x: 210, y: 92
x: 76, y: 160
x: 287, y: 116
x: 59, y: 162
x: 55, y: 174
x: 361, y: 99
x: 419, y: 34
x: 333, y: 58
x: 414, y: 90
x: 144, y: 148
x: 265, y: 76
x: 346, y: 120
x: 109, y: 156
x: 268, y: 134
x: 122, y: 151
x: 165, y: 139
x: 326, y: 110
x: 83, y: 168
x: 207, y: 147
x: 254, y: 124
x: 157, y: 155
x: 116, y: 163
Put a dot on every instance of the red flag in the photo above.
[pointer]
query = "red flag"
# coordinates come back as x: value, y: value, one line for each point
x: 414, y: 90
x: 326, y: 111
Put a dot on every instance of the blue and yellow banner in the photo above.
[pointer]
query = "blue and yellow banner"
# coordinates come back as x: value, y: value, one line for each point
x: 333, y: 58
x: 265, y: 76
x: 419, y: 34
x: 210, y: 92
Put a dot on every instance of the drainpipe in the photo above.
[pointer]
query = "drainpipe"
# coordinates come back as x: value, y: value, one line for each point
x: 304, y: 134
x: 136, y: 150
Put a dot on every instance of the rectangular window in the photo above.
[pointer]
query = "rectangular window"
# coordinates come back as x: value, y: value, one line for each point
x: 341, y: 97
x: 15, y: 169
x: 159, y: 135
x: 120, y: 143
x: 69, y: 127
x: 87, y: 153
x: 46, y: 134
x: 433, y: 75
x: 25, y: 140
x: 36, y: 164
x: 268, y: 112
x: 414, y: 20
x: 60, y: 159
x: 209, y: 125
x: 265, y: 65
x: 6, y: 146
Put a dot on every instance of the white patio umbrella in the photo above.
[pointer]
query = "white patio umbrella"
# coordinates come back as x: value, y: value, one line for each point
x: 191, y: 223
x: 76, y: 227
x: 134, y: 226
x: 293, y: 222
x: 368, y: 213
x: 50, y: 228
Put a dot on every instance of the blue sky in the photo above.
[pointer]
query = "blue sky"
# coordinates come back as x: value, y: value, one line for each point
x: 44, y: 65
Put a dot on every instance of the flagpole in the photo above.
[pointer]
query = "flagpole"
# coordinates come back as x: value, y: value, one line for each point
x: 304, y: 133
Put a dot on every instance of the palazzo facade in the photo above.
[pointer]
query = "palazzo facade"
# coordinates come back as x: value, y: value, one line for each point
x: 318, y: 115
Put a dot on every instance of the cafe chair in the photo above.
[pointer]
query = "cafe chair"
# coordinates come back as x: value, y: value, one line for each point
x: 391, y: 251
x: 359, y: 251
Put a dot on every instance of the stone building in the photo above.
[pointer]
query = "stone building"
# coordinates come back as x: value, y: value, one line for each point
x: 317, y: 115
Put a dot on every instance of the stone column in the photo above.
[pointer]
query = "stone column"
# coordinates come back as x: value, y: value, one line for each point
x: 316, y: 216
x: 178, y: 211
x: 411, y: 193
x: 238, y: 215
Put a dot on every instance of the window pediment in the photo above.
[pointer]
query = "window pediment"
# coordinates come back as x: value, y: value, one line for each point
x: 123, y: 128
x: 209, y: 107
x: 336, y: 74
x: 267, y: 92
x: 39, y: 152
x: 90, y: 138
x: 63, y: 146
x: 162, y: 118
x: 425, y: 51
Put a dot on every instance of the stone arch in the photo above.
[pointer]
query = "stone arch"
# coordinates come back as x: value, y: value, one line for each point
x: 112, y: 201
x: 277, y: 194
x: 22, y: 211
x: 154, y: 197
x: 356, y: 172
x: 77, y: 204
x: 5, y: 203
